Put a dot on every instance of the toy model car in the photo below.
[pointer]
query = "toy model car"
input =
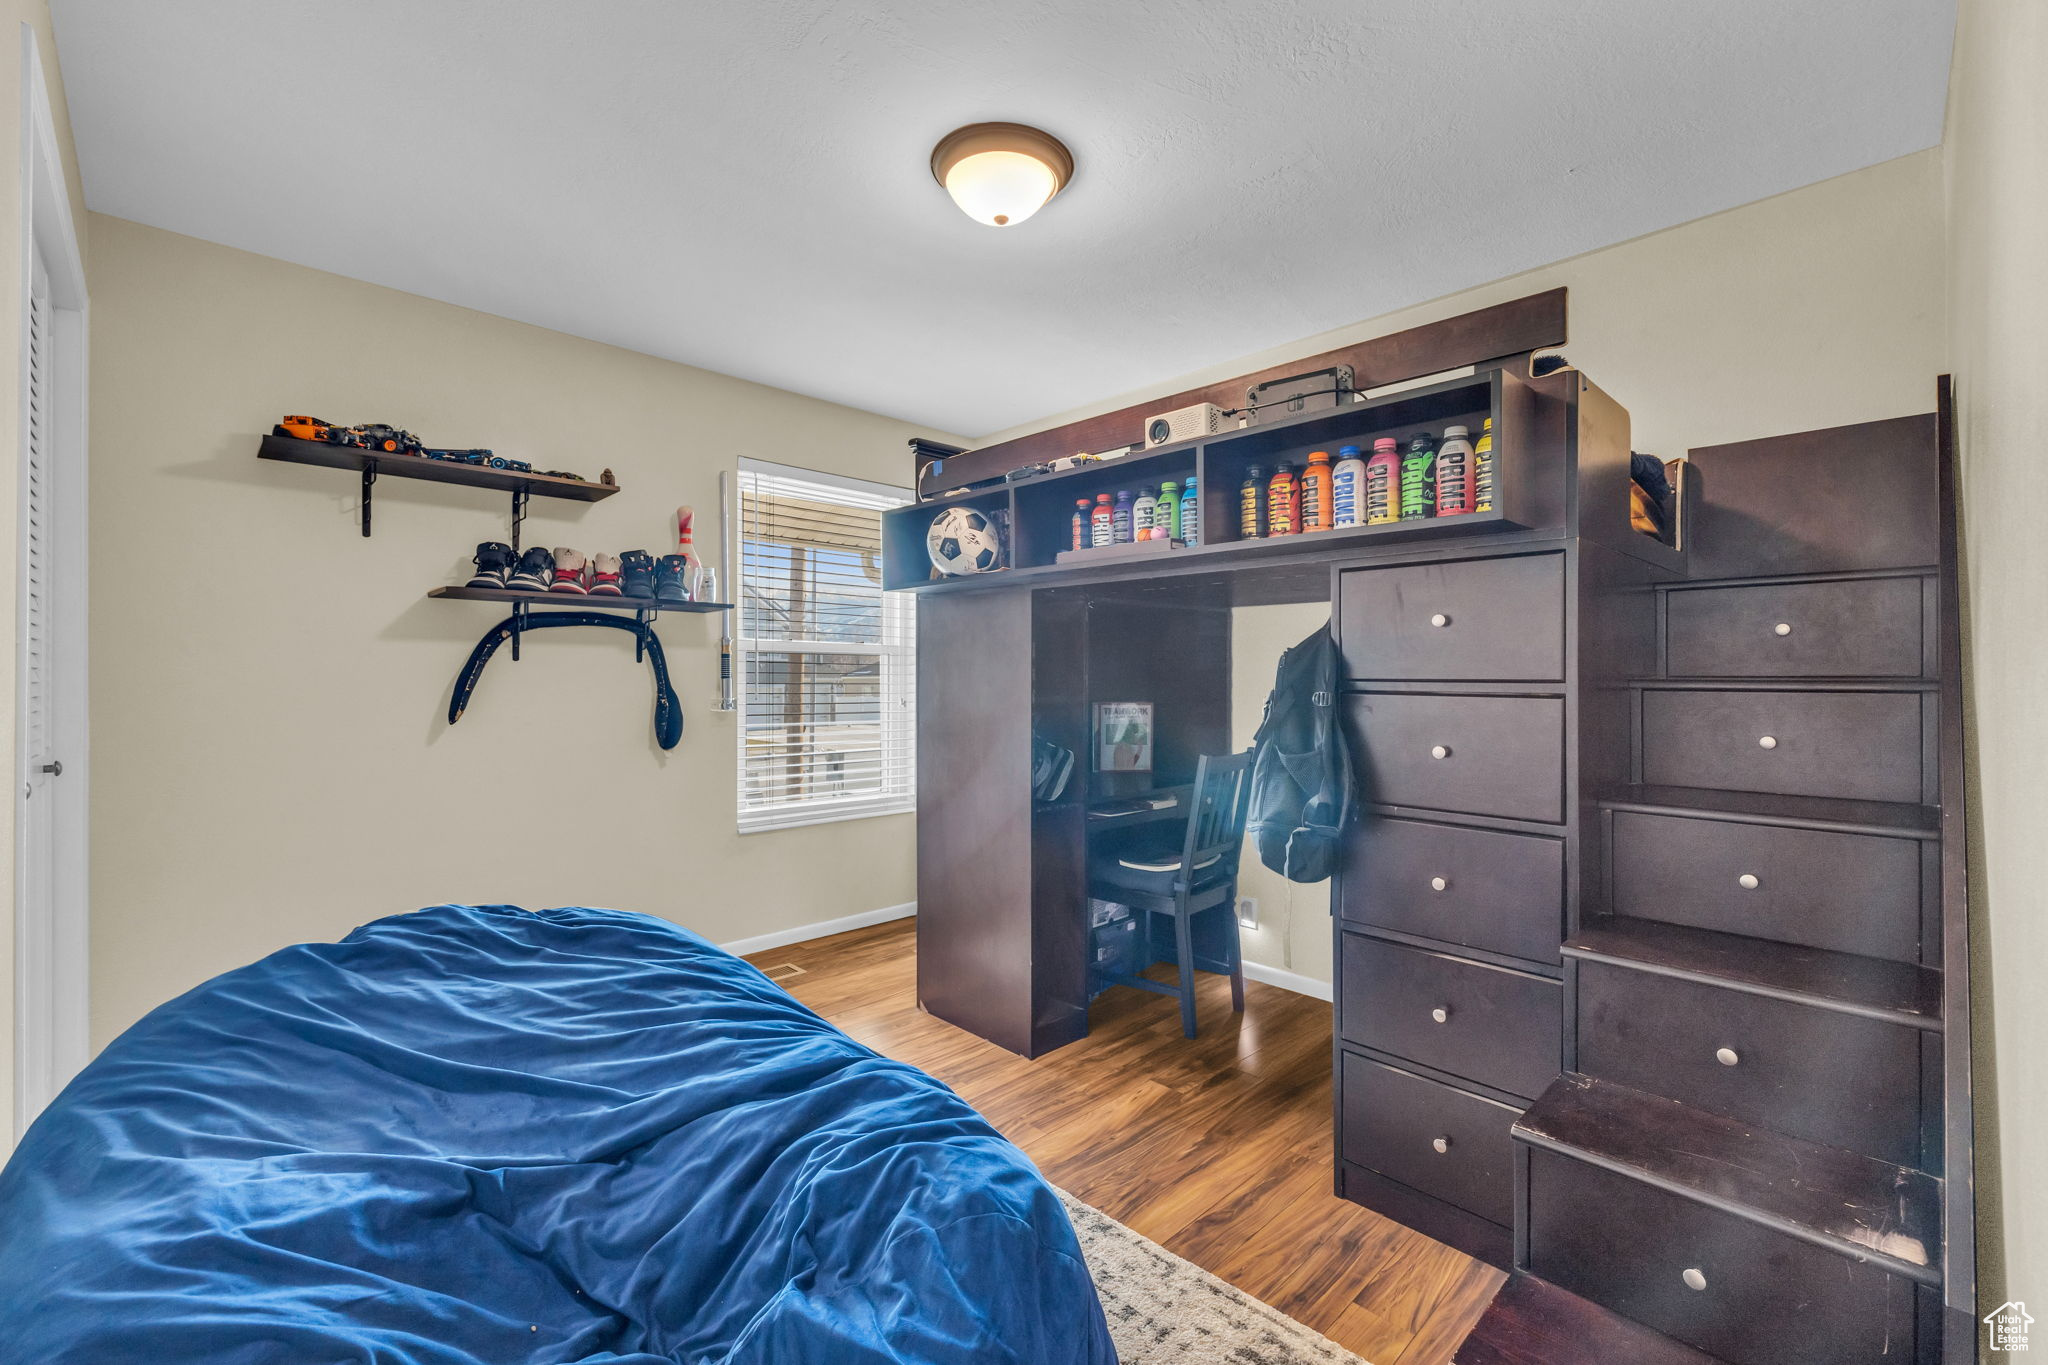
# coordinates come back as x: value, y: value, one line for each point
x: 564, y: 474
x: 459, y: 456
x: 304, y: 428
x: 392, y: 440
x: 516, y: 466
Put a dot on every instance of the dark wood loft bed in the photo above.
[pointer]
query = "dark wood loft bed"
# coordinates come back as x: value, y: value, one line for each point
x: 1659, y: 872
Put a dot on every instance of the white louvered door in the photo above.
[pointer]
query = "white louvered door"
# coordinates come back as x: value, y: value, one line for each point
x: 52, y: 817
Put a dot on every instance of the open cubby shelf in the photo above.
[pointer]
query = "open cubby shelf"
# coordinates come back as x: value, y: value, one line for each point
x: 1040, y: 508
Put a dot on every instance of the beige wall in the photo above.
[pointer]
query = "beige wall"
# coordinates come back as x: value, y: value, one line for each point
x: 14, y: 15
x: 1997, y: 155
x: 1810, y: 309
x: 272, y: 760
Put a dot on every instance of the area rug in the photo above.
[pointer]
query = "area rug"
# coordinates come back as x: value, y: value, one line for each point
x: 1163, y: 1310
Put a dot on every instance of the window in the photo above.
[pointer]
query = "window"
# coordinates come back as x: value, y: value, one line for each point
x: 827, y: 662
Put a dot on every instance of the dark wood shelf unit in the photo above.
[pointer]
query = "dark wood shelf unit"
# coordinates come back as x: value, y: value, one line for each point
x: 596, y: 601
x: 380, y: 463
x: 1854, y: 1205
x: 1895, y: 992
x: 1040, y: 508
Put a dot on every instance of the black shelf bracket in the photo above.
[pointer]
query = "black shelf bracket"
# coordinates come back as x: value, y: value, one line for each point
x: 369, y: 478
x: 668, y: 707
x: 521, y: 496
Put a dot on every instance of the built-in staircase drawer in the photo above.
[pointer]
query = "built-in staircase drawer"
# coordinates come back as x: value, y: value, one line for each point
x: 1486, y: 1024
x: 1428, y: 1136
x: 1863, y: 746
x: 1475, y: 888
x: 1746, y: 1294
x: 1852, y: 893
x: 1480, y: 755
x: 1850, y: 628
x: 1821, y: 1074
x: 1469, y: 620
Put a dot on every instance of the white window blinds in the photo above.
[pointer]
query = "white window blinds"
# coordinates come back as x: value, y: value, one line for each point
x: 827, y: 665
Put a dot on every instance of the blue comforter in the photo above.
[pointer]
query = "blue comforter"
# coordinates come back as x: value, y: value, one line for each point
x: 483, y: 1135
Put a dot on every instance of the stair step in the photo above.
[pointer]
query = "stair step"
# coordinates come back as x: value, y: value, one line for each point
x: 1876, y: 988
x: 1806, y: 812
x: 1841, y: 1201
x: 1533, y: 1322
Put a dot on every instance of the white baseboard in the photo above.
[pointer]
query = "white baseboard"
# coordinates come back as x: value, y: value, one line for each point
x: 1287, y: 981
x: 825, y: 928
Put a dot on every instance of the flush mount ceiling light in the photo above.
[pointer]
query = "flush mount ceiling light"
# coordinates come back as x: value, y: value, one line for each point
x: 1001, y: 173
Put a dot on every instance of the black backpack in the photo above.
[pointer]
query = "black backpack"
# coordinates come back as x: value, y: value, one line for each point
x: 1302, y: 786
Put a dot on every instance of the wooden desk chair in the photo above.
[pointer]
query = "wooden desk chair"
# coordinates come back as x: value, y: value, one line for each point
x: 1201, y: 876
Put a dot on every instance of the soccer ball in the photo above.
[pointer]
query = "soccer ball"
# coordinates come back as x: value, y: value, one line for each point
x: 963, y: 541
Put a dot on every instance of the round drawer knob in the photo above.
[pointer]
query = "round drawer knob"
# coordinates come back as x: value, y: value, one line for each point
x: 1440, y: 751
x: 1694, y: 1279
x: 1726, y: 1056
x: 1438, y: 884
x: 1442, y: 1144
x: 1747, y: 881
x: 1767, y: 742
x: 1441, y: 1015
x: 1782, y: 628
x: 1439, y: 620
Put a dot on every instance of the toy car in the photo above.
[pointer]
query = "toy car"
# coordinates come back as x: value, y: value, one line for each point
x: 458, y: 456
x: 304, y: 428
x: 392, y: 440
x: 564, y: 474
x: 516, y: 466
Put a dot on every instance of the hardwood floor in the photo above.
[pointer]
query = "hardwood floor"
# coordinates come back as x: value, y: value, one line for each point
x: 1216, y: 1148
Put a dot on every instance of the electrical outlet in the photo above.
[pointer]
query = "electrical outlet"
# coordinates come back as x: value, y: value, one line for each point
x: 1248, y: 911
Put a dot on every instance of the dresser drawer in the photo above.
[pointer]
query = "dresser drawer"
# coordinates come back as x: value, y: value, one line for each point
x: 1853, y: 893
x: 1477, y: 888
x: 1842, y: 1079
x: 1764, y: 1298
x: 1469, y: 620
x: 1430, y: 1137
x: 1487, y: 1024
x: 1483, y: 755
x: 1854, y: 628
x: 1862, y: 746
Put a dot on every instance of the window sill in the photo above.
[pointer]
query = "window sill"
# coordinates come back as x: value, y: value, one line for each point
x: 767, y: 822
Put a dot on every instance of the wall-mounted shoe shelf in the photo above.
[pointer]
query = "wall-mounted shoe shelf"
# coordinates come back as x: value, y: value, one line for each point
x: 522, y: 602
x: 373, y: 464
x: 596, y: 601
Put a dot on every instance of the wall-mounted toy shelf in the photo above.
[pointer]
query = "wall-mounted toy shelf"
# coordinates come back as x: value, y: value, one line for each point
x: 375, y: 464
x: 594, y: 601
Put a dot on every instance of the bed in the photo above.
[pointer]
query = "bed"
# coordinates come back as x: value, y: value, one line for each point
x: 475, y: 1135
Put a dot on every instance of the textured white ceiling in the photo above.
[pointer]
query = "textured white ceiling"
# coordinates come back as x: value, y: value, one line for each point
x: 743, y: 186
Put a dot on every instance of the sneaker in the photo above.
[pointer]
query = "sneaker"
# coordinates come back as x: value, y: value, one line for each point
x: 535, y: 572
x: 572, y: 571
x: 672, y: 579
x: 494, y: 563
x: 636, y: 570
x: 604, y: 575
